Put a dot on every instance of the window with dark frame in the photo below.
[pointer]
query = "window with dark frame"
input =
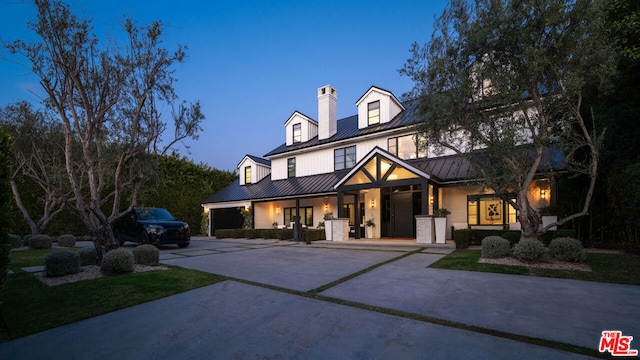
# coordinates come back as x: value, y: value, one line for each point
x: 405, y: 147
x: 306, y: 215
x: 291, y: 167
x: 247, y: 175
x: 344, y: 158
x: 297, y: 133
x: 373, y: 116
x: 490, y: 209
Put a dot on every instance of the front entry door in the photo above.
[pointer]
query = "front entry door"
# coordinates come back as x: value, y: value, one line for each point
x: 401, y: 215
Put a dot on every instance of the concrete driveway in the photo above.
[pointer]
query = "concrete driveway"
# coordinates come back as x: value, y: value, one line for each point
x: 284, y: 319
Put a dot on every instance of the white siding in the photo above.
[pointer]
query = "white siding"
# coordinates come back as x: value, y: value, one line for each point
x: 388, y: 107
x: 258, y: 171
x: 265, y: 214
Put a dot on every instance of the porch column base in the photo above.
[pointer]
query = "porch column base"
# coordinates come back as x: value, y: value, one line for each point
x: 340, y: 229
x: 424, y: 229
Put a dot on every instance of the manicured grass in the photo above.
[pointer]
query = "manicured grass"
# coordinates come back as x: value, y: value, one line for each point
x: 29, y: 306
x: 611, y: 268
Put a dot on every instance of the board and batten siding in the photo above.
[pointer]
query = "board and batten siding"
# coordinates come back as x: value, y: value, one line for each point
x: 321, y: 161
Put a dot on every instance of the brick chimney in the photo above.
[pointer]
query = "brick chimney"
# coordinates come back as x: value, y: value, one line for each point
x: 327, y: 112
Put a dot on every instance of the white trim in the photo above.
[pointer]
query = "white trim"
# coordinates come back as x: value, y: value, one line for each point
x: 379, y: 151
x: 382, y: 91
x: 302, y: 116
x: 226, y: 205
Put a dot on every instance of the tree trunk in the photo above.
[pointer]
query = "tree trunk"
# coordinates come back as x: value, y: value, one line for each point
x: 103, y: 240
x: 528, y: 217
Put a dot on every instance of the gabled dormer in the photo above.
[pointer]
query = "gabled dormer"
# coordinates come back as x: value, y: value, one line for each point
x: 377, y: 106
x: 300, y: 128
x: 253, y: 169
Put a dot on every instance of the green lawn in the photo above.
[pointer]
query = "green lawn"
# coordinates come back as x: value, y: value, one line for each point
x: 611, y: 268
x: 29, y: 306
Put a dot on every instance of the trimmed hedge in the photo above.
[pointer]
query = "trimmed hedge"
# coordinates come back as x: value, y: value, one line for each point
x: 40, y: 242
x: 512, y: 235
x: 281, y: 234
x: 117, y: 261
x: 62, y: 262
x: 309, y: 235
x: 465, y: 237
x: 146, y: 255
x: 567, y: 249
x: 529, y: 249
x: 67, y: 240
x: 495, y: 247
x: 553, y: 234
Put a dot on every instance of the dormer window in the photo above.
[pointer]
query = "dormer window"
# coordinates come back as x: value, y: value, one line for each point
x: 297, y: 133
x: 247, y: 175
x: 373, y: 113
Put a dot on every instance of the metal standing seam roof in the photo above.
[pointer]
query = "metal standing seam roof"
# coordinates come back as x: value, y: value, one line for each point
x: 347, y: 128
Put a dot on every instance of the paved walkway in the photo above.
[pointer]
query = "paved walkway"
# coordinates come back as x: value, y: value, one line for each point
x: 234, y: 319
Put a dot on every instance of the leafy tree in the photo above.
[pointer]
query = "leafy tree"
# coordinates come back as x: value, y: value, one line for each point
x: 38, y: 158
x: 5, y: 205
x: 508, y: 78
x: 109, y: 101
x: 182, y: 185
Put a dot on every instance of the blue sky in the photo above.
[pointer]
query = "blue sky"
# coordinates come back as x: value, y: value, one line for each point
x: 251, y: 64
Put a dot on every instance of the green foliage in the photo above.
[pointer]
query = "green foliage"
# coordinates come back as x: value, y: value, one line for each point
x: 117, y: 261
x: 443, y: 212
x: 547, y: 237
x: 16, y: 241
x: 247, y: 216
x: 40, y: 241
x: 62, y: 262
x: 495, y: 247
x: 182, y: 185
x: 146, y: 255
x: 25, y: 239
x: 5, y: 205
x: 567, y: 249
x: 281, y: 234
x: 309, y: 235
x: 529, y: 250
x: 512, y: 236
x: 88, y: 256
x: 462, y: 238
x: 66, y: 240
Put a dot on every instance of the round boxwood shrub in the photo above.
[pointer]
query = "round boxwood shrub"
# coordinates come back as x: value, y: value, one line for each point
x: 16, y: 241
x: 88, y: 256
x: 66, y: 240
x: 62, y: 262
x: 25, y: 239
x: 529, y: 249
x: 567, y: 249
x: 117, y: 261
x: 146, y: 255
x: 495, y: 247
x: 40, y: 242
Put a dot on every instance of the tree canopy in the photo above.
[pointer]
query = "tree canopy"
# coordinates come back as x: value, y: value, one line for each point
x: 508, y: 78
x: 109, y: 99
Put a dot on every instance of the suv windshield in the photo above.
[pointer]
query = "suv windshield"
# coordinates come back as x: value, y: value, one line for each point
x: 153, y: 214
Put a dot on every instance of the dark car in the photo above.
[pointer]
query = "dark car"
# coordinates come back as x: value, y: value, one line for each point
x: 152, y: 226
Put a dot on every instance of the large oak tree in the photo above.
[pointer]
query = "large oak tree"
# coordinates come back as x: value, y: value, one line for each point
x: 508, y: 78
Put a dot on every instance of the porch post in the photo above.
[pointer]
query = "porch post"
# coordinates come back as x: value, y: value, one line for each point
x: 339, y: 213
x: 424, y: 208
x: 297, y: 231
x: 356, y: 220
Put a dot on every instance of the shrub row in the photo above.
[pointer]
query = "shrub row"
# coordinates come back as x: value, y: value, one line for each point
x: 308, y: 235
x: 465, y: 237
x: 117, y: 261
x: 565, y: 249
x: 146, y: 255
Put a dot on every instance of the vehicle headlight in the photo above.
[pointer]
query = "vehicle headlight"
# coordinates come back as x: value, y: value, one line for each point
x: 154, y: 229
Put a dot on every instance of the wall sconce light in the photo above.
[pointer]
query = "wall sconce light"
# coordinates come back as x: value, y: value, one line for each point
x: 277, y: 209
x: 543, y: 194
x: 372, y: 203
x: 326, y: 207
x: 430, y: 199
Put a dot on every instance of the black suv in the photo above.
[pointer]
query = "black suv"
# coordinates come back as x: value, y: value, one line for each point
x: 152, y: 226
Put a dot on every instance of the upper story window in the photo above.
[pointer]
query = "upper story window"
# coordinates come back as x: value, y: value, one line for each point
x: 406, y: 147
x: 373, y: 113
x: 291, y: 167
x: 297, y: 133
x: 344, y: 158
x: 247, y: 175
